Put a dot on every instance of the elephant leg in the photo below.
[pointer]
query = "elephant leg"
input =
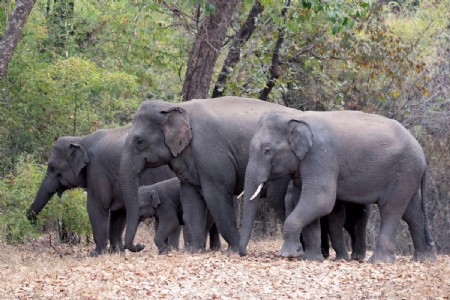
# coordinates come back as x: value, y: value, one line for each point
x: 194, y: 217
x: 173, y: 241
x: 357, y: 217
x: 414, y: 217
x: 116, y: 227
x: 99, y: 219
x: 324, y: 237
x: 165, y: 229
x: 220, y: 204
x: 311, y: 238
x: 315, y: 201
x: 277, y: 192
x: 336, y: 222
x: 385, y: 246
x: 392, y: 207
x: 214, y: 238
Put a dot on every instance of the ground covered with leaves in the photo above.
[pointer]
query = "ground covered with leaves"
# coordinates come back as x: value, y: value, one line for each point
x: 41, y: 270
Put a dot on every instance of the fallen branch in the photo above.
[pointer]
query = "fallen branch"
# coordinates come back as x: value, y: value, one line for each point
x: 50, y: 239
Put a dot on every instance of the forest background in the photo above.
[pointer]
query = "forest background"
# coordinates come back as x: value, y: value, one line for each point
x: 84, y: 65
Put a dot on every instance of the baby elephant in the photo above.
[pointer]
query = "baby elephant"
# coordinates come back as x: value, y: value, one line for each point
x: 162, y: 201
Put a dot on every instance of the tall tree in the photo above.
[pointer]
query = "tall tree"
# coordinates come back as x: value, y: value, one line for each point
x: 206, y: 49
x: 13, y: 32
x: 234, y: 53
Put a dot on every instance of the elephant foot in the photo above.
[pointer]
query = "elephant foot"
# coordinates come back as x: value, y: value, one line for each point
x: 325, y: 253
x: 228, y: 252
x: 116, y: 249
x: 242, y: 251
x: 358, y: 257
x: 292, y: 249
x: 135, y: 248
x: 164, y: 251
x: 95, y: 253
x: 378, y: 257
x: 342, y: 256
x: 234, y: 249
x: 313, y: 256
x: 98, y: 251
x: 215, y: 249
x: 192, y: 249
x: 173, y: 248
x: 424, y: 256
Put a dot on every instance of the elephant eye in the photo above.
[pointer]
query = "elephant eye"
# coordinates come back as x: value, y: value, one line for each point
x: 267, y: 151
x: 139, y: 143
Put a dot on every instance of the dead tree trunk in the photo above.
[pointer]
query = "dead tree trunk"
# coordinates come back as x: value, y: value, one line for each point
x: 13, y: 32
x: 206, y: 49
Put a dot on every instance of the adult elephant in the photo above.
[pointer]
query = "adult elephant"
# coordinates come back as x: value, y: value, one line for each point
x: 205, y: 142
x: 362, y: 158
x: 352, y: 217
x: 92, y: 162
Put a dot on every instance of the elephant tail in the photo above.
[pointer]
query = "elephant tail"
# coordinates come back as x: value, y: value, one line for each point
x: 424, y: 194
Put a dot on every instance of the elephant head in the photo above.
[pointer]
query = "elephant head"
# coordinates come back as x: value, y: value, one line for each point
x: 277, y: 147
x: 160, y: 132
x: 148, y: 202
x: 65, y: 170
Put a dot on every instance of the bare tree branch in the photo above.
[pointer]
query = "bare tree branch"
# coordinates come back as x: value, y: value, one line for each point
x: 239, y: 39
x: 274, y: 68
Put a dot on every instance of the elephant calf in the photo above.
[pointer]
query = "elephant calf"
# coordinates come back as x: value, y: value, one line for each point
x: 162, y: 201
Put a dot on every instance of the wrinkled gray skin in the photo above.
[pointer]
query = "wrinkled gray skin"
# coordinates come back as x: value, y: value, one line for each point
x: 205, y: 142
x: 162, y: 201
x: 92, y: 162
x: 345, y: 215
x: 362, y: 158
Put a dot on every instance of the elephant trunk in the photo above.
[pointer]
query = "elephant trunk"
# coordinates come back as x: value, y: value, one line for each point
x: 251, y: 190
x: 48, y: 188
x: 129, y: 180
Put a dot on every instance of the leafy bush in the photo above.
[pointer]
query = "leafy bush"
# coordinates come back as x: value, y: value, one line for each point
x: 17, y: 192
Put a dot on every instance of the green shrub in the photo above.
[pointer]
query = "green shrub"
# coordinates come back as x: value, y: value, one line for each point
x: 17, y: 192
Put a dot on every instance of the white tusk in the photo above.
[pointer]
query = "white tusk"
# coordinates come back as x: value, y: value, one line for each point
x: 240, y: 195
x: 258, y: 190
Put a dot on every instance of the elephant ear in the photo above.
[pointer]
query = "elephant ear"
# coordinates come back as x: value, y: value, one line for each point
x: 177, y: 130
x: 79, y: 158
x: 301, y: 137
x: 155, y: 199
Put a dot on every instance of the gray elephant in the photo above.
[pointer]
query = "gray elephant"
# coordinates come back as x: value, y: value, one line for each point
x: 92, y: 162
x: 362, y: 158
x: 352, y: 217
x: 162, y: 201
x: 205, y: 142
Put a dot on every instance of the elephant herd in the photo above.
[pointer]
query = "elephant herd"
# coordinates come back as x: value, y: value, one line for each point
x: 184, y: 163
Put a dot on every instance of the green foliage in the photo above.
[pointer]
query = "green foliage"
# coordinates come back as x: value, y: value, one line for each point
x: 17, y: 192
x: 83, y: 65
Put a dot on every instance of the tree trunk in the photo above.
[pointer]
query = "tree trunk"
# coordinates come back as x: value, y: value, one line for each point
x: 206, y: 49
x: 234, y: 53
x: 13, y: 32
